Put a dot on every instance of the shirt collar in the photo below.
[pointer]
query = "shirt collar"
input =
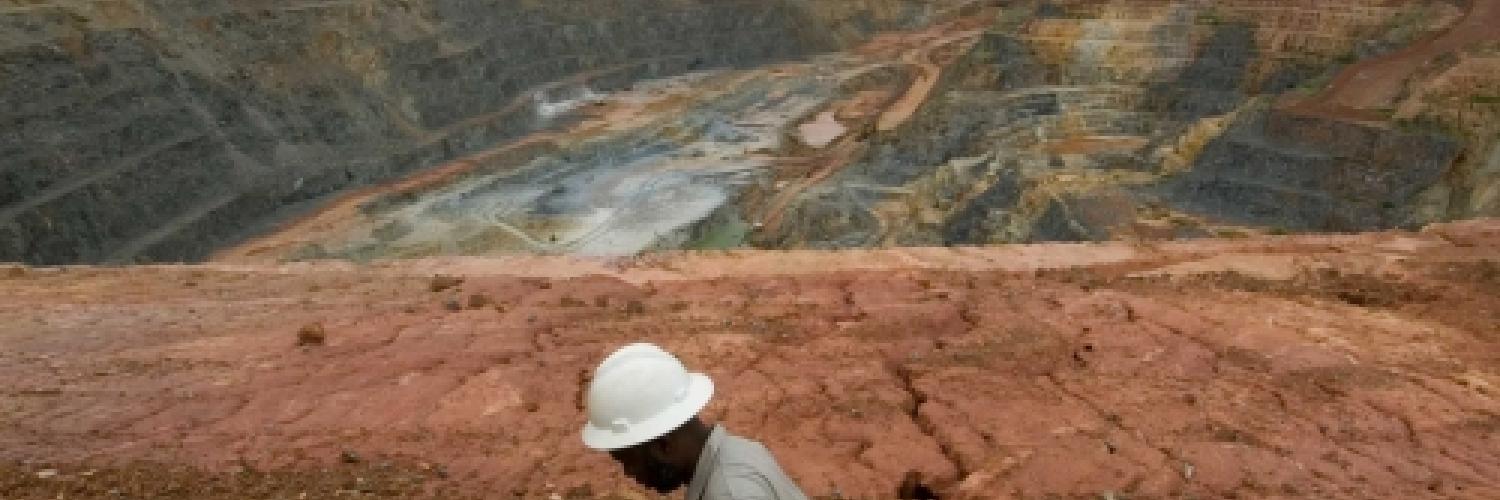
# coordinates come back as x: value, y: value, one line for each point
x: 706, y: 460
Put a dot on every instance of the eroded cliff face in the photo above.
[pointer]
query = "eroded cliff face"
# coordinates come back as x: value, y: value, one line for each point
x: 1279, y: 169
x: 1090, y: 121
x: 160, y: 129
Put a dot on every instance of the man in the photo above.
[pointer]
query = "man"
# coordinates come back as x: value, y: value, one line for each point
x: 643, y: 409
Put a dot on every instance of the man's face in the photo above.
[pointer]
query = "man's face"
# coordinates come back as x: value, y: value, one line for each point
x: 642, y: 463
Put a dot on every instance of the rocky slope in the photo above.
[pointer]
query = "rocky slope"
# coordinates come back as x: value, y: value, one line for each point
x: 1089, y: 121
x: 160, y: 129
x: 1303, y: 366
x: 669, y: 163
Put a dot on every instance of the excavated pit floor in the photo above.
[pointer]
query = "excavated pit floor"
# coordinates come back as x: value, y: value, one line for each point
x: 1309, y: 366
x: 632, y: 170
x: 1114, y: 121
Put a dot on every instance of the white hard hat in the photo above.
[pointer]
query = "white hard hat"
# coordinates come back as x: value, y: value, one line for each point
x: 639, y: 393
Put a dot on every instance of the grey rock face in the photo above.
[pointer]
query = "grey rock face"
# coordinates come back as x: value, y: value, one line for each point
x: 1309, y: 173
x: 163, y: 133
x: 1056, y: 224
x: 1012, y: 60
x: 974, y: 223
x: 1055, y: 114
x: 1210, y: 85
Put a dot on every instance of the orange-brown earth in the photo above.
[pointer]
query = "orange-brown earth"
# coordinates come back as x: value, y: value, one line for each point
x: 1360, y: 91
x: 1311, y: 366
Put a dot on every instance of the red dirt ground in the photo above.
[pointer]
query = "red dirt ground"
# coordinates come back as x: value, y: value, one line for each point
x: 1310, y: 366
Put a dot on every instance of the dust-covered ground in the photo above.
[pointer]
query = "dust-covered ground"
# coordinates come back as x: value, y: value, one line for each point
x: 1307, y: 366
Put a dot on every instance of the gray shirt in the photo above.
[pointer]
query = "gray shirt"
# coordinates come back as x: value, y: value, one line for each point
x: 735, y: 468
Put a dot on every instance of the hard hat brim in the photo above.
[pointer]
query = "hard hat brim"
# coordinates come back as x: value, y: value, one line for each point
x: 700, y: 389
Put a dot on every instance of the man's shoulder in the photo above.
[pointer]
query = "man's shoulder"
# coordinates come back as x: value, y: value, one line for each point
x: 741, y: 483
x: 736, y: 449
x: 748, y: 471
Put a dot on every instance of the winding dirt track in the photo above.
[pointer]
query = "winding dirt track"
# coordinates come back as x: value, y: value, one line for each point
x: 928, y: 66
x: 827, y: 162
x: 1365, y: 87
x: 1325, y: 366
x: 1376, y: 82
x: 929, y: 73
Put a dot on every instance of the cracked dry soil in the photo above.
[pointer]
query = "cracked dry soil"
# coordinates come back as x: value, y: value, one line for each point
x: 1371, y: 371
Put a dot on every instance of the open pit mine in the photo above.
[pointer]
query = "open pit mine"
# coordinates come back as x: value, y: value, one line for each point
x: 1083, y: 249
